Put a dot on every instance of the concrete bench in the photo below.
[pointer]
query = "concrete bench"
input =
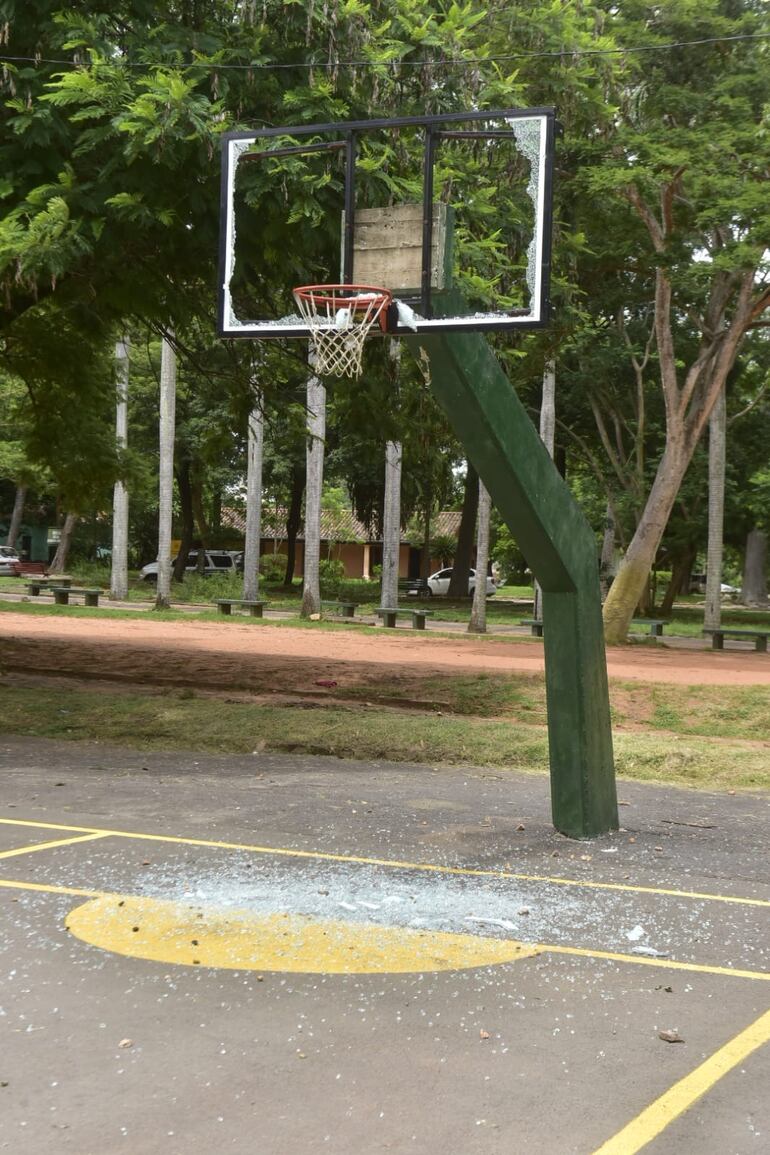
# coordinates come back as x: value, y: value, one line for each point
x: 254, y: 608
x: 759, y: 637
x: 344, y: 609
x: 655, y: 626
x: 62, y: 594
x: 418, y: 617
x: 535, y: 626
x: 37, y: 584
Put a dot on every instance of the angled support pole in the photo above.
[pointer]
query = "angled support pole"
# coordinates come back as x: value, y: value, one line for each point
x: 559, y: 546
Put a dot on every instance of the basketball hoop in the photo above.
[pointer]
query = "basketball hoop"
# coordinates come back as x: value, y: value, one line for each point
x: 339, y: 318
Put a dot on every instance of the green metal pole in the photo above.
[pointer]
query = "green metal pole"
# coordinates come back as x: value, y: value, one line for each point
x: 559, y: 546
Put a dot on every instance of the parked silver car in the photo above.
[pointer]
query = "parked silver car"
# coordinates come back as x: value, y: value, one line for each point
x: 438, y: 583
x: 216, y: 561
x: 9, y: 559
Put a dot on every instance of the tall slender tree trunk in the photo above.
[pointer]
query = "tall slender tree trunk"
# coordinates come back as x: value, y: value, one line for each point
x: 391, y: 525
x: 166, y: 469
x: 391, y: 510
x: 712, y: 614
x: 184, y: 488
x: 680, y: 575
x: 293, y: 521
x: 425, y: 559
x: 607, y: 557
x: 119, y: 559
x: 754, y: 588
x: 548, y: 437
x: 255, y: 445
x: 461, y: 566
x: 633, y: 576
x: 16, y: 515
x: 316, y: 437
x: 478, y: 619
x: 59, y: 563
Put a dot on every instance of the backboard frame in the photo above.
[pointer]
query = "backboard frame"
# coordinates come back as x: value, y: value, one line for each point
x: 435, y: 128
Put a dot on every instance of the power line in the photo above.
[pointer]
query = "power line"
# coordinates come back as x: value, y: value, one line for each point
x: 330, y: 65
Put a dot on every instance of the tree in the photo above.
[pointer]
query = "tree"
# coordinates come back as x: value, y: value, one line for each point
x: 119, y: 557
x: 256, y: 435
x: 316, y: 438
x: 166, y: 469
x: 478, y: 618
x: 684, y: 159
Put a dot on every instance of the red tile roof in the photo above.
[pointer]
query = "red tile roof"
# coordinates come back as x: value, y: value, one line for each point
x: 336, y: 525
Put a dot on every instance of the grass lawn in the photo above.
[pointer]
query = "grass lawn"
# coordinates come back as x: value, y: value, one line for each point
x: 711, y: 737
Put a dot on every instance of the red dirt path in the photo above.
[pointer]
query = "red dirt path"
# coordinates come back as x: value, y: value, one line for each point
x: 260, y: 657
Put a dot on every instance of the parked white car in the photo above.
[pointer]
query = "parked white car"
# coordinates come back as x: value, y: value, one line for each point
x: 438, y: 583
x: 9, y: 559
x: 217, y: 561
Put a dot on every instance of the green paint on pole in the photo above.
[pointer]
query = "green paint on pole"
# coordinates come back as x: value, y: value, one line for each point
x: 560, y: 549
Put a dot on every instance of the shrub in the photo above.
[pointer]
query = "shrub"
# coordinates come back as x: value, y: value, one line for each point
x: 272, y: 566
x: 331, y: 573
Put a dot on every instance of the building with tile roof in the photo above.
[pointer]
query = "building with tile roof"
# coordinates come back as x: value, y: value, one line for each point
x: 343, y: 537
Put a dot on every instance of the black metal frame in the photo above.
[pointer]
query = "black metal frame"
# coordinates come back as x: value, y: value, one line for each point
x: 350, y: 130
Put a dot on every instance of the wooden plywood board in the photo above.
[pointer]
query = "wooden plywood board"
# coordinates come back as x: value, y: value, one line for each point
x: 388, y: 248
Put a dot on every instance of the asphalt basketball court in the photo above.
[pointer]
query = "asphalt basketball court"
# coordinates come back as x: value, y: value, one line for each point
x: 275, y: 954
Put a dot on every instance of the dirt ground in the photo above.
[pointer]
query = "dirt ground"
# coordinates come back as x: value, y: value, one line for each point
x: 259, y: 657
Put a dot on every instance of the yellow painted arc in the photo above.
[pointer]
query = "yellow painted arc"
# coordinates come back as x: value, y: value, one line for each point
x: 196, y: 935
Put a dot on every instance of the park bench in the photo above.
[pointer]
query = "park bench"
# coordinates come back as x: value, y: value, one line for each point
x: 37, y: 584
x: 24, y: 569
x: 759, y: 637
x: 413, y: 586
x: 418, y: 617
x: 62, y: 594
x: 655, y: 626
x: 344, y: 609
x: 254, y: 608
x: 535, y: 626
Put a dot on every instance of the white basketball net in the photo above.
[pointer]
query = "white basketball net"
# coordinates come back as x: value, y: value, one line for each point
x: 339, y: 318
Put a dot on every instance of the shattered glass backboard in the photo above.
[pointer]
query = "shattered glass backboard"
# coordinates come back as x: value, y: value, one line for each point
x: 452, y: 213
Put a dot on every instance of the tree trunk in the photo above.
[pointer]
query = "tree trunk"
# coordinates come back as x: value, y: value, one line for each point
x: 633, y: 576
x: 166, y: 469
x: 391, y: 526
x: 754, y: 588
x: 478, y: 619
x: 607, y: 557
x: 316, y: 435
x: 548, y: 437
x: 199, y: 512
x: 680, y: 576
x: 712, y: 613
x: 425, y: 558
x: 458, y: 583
x: 256, y: 431
x: 16, y: 516
x: 119, y: 559
x: 184, y: 487
x: 59, y: 563
x: 293, y: 521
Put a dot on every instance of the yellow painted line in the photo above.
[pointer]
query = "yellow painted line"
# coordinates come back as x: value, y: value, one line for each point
x: 679, y: 1098
x: 395, y: 864
x: 665, y: 963
x: 536, y: 948
x: 35, y: 846
x: 45, y: 888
